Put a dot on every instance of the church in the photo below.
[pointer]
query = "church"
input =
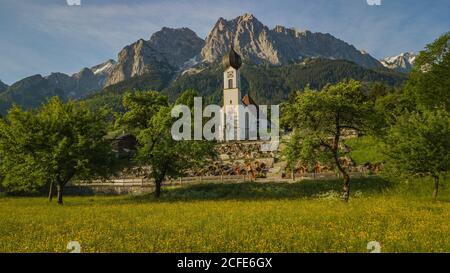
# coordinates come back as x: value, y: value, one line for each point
x: 239, y: 116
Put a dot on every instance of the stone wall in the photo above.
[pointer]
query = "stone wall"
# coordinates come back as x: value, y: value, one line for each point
x: 108, y: 189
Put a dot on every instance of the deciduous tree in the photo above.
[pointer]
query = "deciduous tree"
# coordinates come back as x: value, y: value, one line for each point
x: 321, y: 118
x: 429, y: 82
x: 56, y: 143
x: 158, y: 153
x: 419, y: 144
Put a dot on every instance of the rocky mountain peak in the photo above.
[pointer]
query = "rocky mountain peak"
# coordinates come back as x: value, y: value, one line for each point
x: 168, y: 50
x: 28, y: 81
x: 279, y: 29
x: 403, y: 62
x: 84, y: 72
x: 256, y: 43
x: 177, y: 45
x: 247, y: 17
x: 167, y: 32
x: 83, y: 83
x: 104, y: 68
x: 248, y: 35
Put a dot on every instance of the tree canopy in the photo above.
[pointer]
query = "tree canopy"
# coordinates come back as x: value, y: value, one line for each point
x: 429, y: 82
x: 54, y: 144
x: 419, y: 144
x: 417, y: 140
x: 322, y: 117
x: 149, y: 116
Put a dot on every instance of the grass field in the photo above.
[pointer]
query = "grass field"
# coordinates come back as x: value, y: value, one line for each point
x: 365, y: 149
x: 300, y: 217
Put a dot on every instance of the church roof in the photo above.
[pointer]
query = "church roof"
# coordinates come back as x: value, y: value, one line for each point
x: 232, y: 59
x: 247, y: 100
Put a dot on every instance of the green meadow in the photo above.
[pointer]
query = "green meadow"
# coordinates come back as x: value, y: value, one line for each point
x: 305, y: 216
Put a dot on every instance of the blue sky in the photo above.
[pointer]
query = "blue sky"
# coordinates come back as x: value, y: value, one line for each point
x: 44, y: 36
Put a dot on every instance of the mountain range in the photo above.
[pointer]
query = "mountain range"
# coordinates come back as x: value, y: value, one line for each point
x: 32, y: 91
x: 403, y: 62
x: 171, y: 56
x: 257, y: 43
x: 3, y: 86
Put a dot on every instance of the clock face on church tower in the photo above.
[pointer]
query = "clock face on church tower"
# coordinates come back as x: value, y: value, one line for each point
x: 230, y: 74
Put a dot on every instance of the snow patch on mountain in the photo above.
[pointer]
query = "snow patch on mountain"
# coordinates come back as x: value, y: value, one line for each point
x: 403, y: 62
x: 103, y: 68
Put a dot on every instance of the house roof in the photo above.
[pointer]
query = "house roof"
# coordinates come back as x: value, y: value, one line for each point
x: 247, y: 100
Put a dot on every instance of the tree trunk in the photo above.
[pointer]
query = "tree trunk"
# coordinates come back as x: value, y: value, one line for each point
x: 59, y: 188
x: 157, y: 189
x: 346, y: 188
x: 436, y: 187
x: 50, y: 192
x: 335, y: 150
x: 293, y: 176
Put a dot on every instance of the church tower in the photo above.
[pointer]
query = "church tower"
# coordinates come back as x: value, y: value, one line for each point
x: 232, y: 91
x: 231, y: 78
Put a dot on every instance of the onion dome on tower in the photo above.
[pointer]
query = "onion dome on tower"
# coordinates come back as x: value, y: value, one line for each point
x: 232, y: 59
